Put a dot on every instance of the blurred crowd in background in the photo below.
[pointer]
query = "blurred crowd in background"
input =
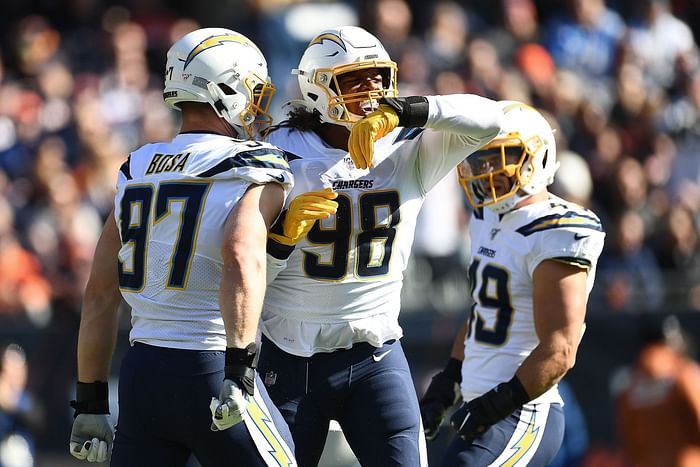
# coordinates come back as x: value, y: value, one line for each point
x: 81, y: 83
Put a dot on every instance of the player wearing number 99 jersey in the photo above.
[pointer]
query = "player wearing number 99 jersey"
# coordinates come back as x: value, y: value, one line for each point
x: 533, y: 263
x: 330, y: 319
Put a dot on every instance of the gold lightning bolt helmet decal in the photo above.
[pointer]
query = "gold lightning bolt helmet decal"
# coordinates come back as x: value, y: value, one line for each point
x: 328, y: 37
x: 215, y: 41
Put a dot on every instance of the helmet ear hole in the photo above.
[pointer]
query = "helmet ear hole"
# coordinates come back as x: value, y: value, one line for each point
x: 544, y: 158
x: 226, y: 89
x: 218, y: 105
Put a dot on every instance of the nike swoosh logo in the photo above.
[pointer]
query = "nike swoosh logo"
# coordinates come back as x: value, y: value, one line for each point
x: 464, y: 422
x: 378, y: 358
x: 279, y: 178
x: 580, y: 237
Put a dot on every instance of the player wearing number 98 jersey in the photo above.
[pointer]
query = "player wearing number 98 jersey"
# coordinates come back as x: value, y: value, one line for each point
x: 533, y: 264
x: 330, y: 319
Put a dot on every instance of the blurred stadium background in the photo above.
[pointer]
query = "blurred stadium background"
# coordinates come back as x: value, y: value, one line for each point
x: 80, y: 86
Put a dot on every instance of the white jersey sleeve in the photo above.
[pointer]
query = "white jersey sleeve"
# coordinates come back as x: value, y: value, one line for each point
x: 171, y: 205
x: 463, y: 123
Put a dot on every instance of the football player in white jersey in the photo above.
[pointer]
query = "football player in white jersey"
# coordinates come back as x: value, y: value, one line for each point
x: 185, y: 248
x: 532, y: 267
x: 331, y: 347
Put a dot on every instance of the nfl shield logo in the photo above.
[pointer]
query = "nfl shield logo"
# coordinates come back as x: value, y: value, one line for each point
x: 270, y: 378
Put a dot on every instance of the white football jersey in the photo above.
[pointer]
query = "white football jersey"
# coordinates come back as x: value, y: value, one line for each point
x: 506, y: 249
x: 342, y: 283
x: 171, y: 204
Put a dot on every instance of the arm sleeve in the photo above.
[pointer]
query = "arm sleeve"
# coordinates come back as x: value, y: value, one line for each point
x: 465, y: 122
x: 563, y: 245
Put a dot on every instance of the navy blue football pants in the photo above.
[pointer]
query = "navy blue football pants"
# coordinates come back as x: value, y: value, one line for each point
x: 530, y: 436
x: 164, y: 415
x: 367, y: 390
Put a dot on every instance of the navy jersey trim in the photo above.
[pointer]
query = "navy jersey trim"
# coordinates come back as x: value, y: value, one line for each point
x: 291, y: 156
x: 278, y: 250
x: 408, y: 134
x: 556, y: 221
x: 252, y: 158
x: 126, y: 168
x: 570, y: 260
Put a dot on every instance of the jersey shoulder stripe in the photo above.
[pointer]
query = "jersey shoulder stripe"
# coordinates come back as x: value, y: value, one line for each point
x: 408, y: 134
x: 572, y: 261
x: 267, y: 158
x: 126, y: 168
x: 291, y: 156
x: 564, y: 220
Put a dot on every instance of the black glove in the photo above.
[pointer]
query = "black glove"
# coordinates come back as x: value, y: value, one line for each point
x: 443, y: 392
x: 477, y: 415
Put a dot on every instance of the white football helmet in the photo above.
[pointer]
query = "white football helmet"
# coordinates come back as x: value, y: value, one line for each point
x: 329, y: 55
x: 523, y: 151
x: 224, y: 69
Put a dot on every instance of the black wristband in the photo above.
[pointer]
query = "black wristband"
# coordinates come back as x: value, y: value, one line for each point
x: 518, y: 392
x: 502, y: 400
x: 412, y: 111
x: 240, y: 366
x: 91, y: 398
x: 453, y: 369
x: 242, y: 357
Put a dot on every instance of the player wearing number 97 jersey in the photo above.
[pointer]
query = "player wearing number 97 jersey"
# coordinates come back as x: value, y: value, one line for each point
x: 330, y: 319
x: 185, y: 248
x: 533, y: 264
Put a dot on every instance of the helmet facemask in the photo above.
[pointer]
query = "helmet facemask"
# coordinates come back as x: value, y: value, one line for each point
x: 496, y: 174
x: 328, y: 79
x: 255, y: 119
x: 334, y: 53
x: 518, y: 163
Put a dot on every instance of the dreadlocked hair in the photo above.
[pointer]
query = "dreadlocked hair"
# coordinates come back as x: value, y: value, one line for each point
x: 301, y: 119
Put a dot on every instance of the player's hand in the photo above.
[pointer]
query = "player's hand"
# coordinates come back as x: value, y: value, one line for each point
x: 239, y: 384
x: 303, y: 212
x: 368, y: 130
x: 477, y: 415
x: 442, y: 393
x: 228, y: 409
x: 467, y: 422
x: 92, y: 437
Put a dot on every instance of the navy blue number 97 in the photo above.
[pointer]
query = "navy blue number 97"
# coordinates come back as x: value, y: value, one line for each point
x: 135, y: 224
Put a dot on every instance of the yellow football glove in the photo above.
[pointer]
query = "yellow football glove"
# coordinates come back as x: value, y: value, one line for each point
x: 368, y: 130
x: 302, y: 213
